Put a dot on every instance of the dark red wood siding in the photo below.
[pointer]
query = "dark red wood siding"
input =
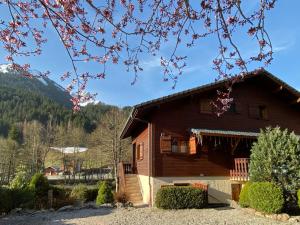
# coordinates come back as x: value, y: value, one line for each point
x: 142, y: 166
x: 181, y: 115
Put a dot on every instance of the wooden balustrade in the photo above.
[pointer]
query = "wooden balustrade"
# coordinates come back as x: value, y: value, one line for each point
x: 241, y: 169
x: 127, y: 168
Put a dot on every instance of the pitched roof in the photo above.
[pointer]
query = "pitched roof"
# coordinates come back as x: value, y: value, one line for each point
x: 199, y: 89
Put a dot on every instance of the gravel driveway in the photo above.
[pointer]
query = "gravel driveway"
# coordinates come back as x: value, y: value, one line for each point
x: 140, y: 216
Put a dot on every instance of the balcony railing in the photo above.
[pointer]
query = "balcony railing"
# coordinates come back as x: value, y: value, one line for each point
x: 241, y: 169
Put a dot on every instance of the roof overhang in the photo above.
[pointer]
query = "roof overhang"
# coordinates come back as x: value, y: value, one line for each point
x: 138, y: 109
x: 224, y: 133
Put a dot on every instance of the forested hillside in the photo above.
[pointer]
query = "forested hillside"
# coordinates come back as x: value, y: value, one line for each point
x: 41, y: 99
x: 36, y: 115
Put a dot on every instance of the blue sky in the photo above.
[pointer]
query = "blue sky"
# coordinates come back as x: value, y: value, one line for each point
x: 282, y: 24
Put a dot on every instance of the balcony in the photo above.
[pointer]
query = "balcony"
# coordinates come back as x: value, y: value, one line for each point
x: 241, y: 170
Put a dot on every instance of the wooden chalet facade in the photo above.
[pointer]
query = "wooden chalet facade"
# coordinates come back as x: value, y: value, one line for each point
x: 178, y: 139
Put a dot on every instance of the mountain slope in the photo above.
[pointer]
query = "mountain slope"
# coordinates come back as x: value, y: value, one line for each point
x: 41, y: 85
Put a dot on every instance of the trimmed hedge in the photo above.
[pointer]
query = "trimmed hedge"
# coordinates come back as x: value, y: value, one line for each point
x: 181, y: 198
x: 298, y: 197
x: 266, y: 197
x: 244, y: 200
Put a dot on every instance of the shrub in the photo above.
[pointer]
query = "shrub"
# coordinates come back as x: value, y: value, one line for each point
x: 275, y: 158
x: 22, y: 198
x: 298, y: 197
x: 79, y: 192
x: 244, y: 195
x: 92, y: 194
x: 61, y: 196
x: 21, y: 180
x: 121, y: 197
x: 266, y: 197
x: 39, y: 183
x: 105, y: 194
x: 5, y: 200
x: 181, y: 198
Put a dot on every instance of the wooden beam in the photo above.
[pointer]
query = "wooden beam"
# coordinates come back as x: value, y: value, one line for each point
x: 295, y: 102
x: 280, y: 88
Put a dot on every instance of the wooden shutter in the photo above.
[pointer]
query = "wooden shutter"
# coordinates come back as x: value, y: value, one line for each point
x: 165, y: 144
x: 193, y: 145
x: 141, y: 151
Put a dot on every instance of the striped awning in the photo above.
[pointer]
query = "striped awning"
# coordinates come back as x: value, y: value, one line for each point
x: 230, y: 133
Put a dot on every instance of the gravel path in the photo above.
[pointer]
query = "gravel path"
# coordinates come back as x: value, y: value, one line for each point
x: 141, y: 216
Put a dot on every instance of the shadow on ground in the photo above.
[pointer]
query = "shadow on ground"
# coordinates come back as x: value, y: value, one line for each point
x: 54, y: 218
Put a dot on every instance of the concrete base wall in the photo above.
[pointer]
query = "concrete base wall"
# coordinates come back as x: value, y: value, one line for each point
x: 145, y: 187
x: 219, y: 188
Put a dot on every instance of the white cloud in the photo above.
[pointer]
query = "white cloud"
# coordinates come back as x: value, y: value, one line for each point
x: 151, y: 64
x: 283, y: 46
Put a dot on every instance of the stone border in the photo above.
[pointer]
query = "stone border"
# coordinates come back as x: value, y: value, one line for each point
x: 284, y: 217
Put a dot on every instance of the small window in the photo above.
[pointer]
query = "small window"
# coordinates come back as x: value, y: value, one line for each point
x: 205, y: 106
x: 258, y: 112
x: 263, y: 112
x: 140, y: 151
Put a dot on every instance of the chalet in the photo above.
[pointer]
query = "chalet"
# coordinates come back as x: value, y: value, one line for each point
x: 51, y: 171
x: 179, y: 140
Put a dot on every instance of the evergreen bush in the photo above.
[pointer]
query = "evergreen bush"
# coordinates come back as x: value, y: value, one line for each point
x: 181, y: 198
x: 266, y: 197
x: 244, y: 200
x: 105, y: 194
x: 275, y: 158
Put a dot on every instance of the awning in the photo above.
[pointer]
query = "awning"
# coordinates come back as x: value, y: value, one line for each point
x: 225, y: 133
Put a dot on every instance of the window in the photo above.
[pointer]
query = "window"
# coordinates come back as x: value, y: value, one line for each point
x: 258, y: 112
x: 205, y: 106
x: 140, y: 151
x: 263, y: 112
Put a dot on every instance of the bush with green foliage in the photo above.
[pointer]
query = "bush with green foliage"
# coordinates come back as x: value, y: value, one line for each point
x: 298, y: 197
x: 79, y: 192
x: 21, y: 179
x: 266, y: 197
x: 181, y: 198
x: 275, y: 157
x: 5, y: 200
x: 39, y: 183
x: 22, y: 198
x: 105, y: 194
x: 244, y: 200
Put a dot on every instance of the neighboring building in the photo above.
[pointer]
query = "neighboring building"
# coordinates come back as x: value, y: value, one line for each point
x: 178, y: 139
x: 51, y: 171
